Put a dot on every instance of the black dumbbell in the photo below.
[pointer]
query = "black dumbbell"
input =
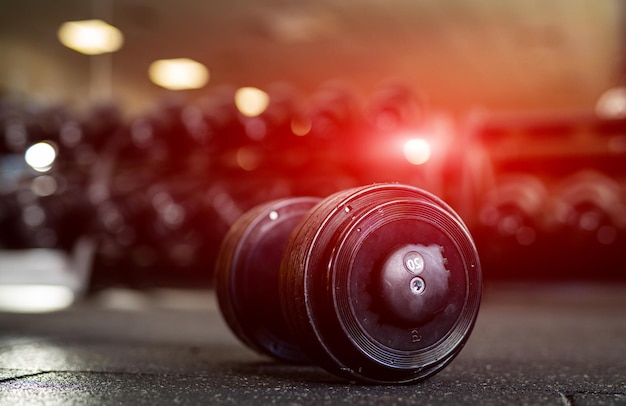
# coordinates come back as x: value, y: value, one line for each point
x: 377, y: 284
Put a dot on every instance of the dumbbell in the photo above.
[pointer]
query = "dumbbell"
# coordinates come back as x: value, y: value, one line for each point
x: 376, y: 284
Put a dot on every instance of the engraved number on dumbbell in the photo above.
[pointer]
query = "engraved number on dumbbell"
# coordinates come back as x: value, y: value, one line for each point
x: 414, y: 262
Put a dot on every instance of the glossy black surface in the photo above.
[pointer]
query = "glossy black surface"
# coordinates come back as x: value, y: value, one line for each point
x: 330, y: 285
x: 247, y: 276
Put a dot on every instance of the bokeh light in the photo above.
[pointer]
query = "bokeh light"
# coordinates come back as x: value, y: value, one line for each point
x: 301, y: 126
x: 251, y: 101
x: 40, y: 156
x: 612, y: 103
x: 178, y: 74
x: 35, y: 298
x: 44, y: 185
x: 417, y: 151
x: 90, y: 37
x: 248, y: 158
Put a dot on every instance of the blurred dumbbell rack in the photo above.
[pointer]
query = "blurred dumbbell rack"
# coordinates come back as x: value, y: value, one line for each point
x: 550, y: 200
x: 543, y: 194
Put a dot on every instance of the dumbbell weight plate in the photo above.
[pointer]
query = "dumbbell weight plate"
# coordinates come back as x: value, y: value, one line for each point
x: 246, y: 276
x: 381, y: 284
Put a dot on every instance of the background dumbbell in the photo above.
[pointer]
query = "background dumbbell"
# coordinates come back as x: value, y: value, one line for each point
x: 377, y: 284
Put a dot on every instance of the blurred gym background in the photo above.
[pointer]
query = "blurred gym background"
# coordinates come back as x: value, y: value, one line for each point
x: 125, y: 157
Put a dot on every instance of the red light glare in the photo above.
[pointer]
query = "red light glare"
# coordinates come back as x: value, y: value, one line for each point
x: 417, y: 151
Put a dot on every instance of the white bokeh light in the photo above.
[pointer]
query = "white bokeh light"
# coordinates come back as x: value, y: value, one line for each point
x: 612, y: 103
x: 40, y: 156
x: 417, y: 151
x: 35, y: 298
x: 178, y: 74
x: 251, y: 101
x: 90, y: 37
